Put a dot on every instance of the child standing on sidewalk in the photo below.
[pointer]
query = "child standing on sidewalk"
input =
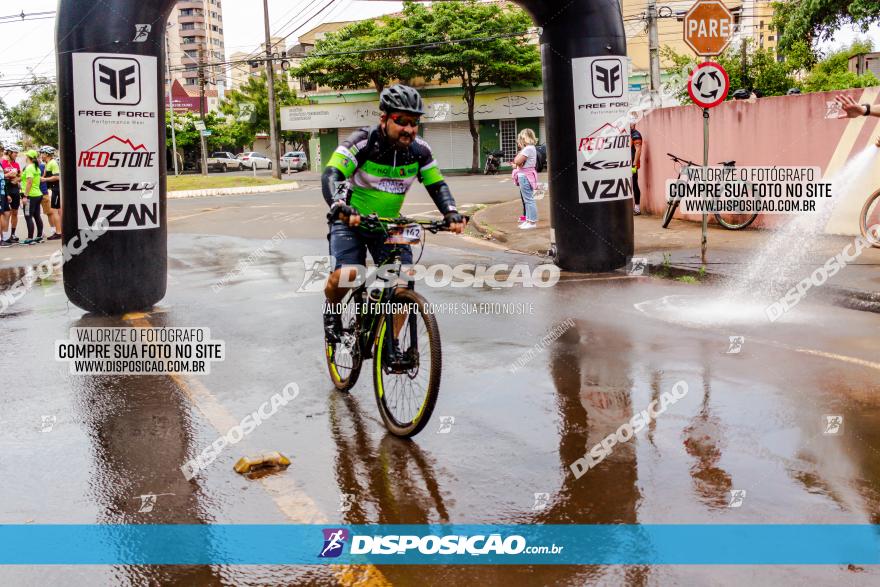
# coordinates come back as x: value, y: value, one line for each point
x: 526, y: 177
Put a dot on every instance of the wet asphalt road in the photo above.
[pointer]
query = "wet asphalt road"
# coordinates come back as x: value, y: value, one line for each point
x: 751, y: 421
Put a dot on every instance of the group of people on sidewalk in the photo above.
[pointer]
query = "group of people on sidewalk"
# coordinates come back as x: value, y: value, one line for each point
x: 32, y: 187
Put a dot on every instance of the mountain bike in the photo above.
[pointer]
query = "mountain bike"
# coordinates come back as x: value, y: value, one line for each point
x: 727, y: 220
x: 869, y: 217
x: 393, y: 325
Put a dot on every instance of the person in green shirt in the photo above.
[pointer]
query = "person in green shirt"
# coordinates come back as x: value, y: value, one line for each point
x: 30, y: 179
x: 52, y: 177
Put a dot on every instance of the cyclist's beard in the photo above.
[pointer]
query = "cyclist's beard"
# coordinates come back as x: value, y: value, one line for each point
x: 401, y: 142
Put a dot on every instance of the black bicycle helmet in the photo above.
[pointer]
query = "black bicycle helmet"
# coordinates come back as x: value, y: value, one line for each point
x: 399, y: 98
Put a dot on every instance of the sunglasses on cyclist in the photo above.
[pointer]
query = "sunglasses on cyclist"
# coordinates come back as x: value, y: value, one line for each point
x: 405, y: 120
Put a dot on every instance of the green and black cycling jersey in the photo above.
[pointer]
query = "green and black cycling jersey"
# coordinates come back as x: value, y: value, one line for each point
x: 381, y: 174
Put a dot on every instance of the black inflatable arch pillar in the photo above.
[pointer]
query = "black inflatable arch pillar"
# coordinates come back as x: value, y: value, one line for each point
x: 112, y: 142
x: 111, y: 111
x: 583, y: 46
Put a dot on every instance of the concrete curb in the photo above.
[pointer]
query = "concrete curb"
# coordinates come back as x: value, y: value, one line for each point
x: 257, y: 189
x: 484, y: 229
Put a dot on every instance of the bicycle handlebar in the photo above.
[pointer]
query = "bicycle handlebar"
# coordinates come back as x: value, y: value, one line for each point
x: 432, y: 226
x: 680, y: 160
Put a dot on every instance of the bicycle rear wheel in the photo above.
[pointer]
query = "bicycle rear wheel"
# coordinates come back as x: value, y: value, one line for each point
x: 344, y: 358
x: 407, y: 357
x: 870, y: 217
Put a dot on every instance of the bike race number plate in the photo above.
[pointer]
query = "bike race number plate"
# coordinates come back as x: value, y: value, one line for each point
x: 602, y: 126
x: 411, y: 234
x: 117, y: 167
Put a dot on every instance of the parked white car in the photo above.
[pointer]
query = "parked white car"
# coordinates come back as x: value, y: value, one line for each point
x: 224, y: 161
x: 295, y: 161
x: 252, y: 159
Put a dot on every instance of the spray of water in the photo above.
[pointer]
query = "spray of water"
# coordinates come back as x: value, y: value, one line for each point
x: 774, y: 268
x: 780, y: 263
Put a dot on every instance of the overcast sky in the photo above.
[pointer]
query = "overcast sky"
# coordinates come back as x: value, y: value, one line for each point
x: 28, y: 47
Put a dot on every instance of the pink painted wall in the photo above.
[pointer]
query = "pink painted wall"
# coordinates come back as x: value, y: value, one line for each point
x: 781, y: 130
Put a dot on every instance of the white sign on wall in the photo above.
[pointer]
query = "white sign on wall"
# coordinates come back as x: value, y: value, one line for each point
x: 600, y: 105
x: 117, y: 165
x: 528, y: 104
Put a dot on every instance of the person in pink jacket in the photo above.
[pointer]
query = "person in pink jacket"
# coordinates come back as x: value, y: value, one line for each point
x: 526, y: 177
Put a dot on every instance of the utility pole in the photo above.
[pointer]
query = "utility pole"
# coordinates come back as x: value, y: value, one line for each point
x: 202, y: 108
x: 654, y: 53
x: 171, y: 106
x: 270, y: 77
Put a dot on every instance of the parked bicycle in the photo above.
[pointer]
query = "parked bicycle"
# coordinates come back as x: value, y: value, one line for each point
x: 393, y: 325
x: 727, y: 220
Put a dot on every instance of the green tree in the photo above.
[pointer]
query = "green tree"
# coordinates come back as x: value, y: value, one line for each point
x: 348, y: 59
x: 796, y: 20
x: 35, y: 117
x: 832, y: 73
x: 503, y: 56
x: 256, y: 92
x: 226, y: 134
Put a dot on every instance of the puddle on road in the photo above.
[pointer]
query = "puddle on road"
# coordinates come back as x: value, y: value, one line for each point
x: 708, y: 311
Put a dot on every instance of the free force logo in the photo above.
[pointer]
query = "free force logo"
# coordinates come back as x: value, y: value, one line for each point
x: 606, y: 77
x: 117, y: 81
x: 334, y: 542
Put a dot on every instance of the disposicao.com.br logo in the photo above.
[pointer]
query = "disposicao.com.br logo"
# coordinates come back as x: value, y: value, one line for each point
x: 429, y: 544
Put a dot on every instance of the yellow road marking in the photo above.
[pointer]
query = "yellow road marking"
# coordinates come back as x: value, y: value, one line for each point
x: 834, y: 356
x: 288, y: 497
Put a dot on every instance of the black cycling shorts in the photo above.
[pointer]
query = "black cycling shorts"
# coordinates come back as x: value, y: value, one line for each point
x: 55, y: 198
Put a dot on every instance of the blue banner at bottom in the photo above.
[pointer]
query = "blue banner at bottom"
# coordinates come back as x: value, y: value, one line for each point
x: 692, y: 544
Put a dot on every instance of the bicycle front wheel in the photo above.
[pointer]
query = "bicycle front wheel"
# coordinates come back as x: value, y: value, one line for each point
x: 735, y: 221
x: 869, y: 218
x: 406, y: 374
x: 671, y: 207
x: 344, y: 358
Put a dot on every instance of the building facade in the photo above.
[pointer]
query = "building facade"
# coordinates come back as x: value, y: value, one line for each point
x: 195, y: 33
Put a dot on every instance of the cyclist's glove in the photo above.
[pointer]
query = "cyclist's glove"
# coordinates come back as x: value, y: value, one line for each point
x: 453, y: 218
x: 340, y: 208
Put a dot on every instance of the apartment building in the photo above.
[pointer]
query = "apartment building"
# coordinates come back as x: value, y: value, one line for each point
x: 195, y: 31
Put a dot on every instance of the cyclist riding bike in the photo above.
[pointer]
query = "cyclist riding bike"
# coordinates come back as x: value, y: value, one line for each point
x: 380, y: 164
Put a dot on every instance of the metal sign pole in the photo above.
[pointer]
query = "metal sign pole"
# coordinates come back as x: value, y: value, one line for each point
x: 704, y: 244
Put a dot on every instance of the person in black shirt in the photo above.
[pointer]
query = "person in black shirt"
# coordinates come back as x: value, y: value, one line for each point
x: 635, y: 142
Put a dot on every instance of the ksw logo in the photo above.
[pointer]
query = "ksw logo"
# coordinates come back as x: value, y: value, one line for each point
x: 608, y: 189
x: 125, y: 186
x: 141, y: 215
x: 607, y: 78
x: 117, y: 80
x: 600, y: 165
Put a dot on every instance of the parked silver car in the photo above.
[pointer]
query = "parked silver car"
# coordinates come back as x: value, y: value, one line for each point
x: 295, y: 161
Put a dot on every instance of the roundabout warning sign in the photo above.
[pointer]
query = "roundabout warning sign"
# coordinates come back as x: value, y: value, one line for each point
x: 708, y: 84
